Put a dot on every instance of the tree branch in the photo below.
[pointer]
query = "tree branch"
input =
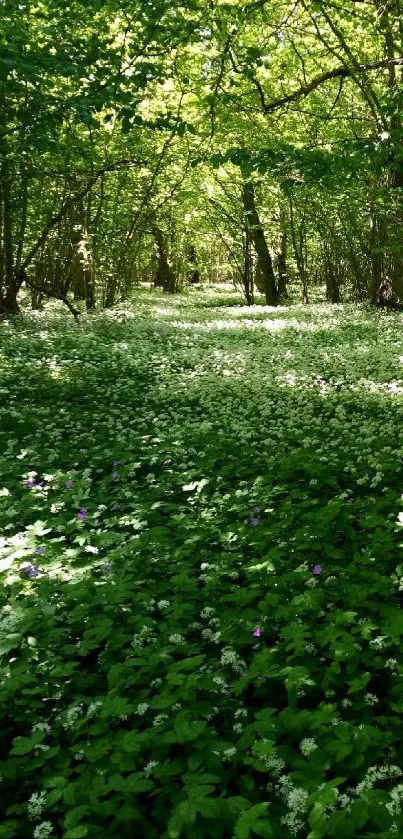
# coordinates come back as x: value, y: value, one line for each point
x: 67, y: 204
x: 304, y: 90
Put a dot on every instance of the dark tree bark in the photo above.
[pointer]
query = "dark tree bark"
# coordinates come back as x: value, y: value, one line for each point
x: 297, y: 238
x: 194, y: 274
x: 281, y: 265
x: 164, y: 276
x: 259, y: 242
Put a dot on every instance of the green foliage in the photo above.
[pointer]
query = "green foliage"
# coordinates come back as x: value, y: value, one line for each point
x: 137, y: 695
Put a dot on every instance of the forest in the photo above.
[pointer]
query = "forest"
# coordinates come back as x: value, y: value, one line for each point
x: 201, y: 419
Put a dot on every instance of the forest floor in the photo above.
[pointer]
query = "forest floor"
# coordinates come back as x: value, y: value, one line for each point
x: 201, y: 626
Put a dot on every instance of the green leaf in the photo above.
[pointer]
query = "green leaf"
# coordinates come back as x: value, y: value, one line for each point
x: 251, y: 821
x: 24, y: 745
x: 76, y: 832
x: 185, y: 814
x: 10, y: 642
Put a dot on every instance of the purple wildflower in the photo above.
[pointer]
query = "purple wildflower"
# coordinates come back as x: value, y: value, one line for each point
x: 40, y: 484
x: 40, y: 550
x: 256, y: 509
x: 317, y: 569
x: 69, y: 484
x: 108, y: 566
x: 117, y: 462
x: 254, y: 521
x: 31, y: 571
x: 115, y: 473
x: 82, y: 513
x: 257, y: 632
x: 29, y: 484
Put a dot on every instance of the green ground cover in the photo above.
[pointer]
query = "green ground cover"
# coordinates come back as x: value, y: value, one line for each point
x: 201, y: 624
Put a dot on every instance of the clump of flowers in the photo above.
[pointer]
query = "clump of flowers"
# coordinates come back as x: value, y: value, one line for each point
x: 43, y: 830
x: 36, y: 804
x: 307, y: 746
x: 31, y: 571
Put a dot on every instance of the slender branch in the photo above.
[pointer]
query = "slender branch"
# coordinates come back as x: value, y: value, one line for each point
x: 61, y: 296
x: 343, y: 72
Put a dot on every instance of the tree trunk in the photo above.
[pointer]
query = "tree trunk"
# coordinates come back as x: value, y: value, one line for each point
x: 194, y: 273
x: 281, y: 265
x: 298, y: 249
x: 83, y: 283
x: 9, y: 282
x: 247, y: 274
x: 259, y: 243
x: 164, y: 277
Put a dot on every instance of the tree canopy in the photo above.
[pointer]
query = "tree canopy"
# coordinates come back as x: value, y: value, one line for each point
x: 138, y: 137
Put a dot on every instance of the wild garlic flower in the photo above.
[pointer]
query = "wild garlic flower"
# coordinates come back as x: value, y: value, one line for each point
x: 307, y: 746
x: 43, y: 830
x: 150, y: 766
x: 36, y: 804
x: 176, y: 638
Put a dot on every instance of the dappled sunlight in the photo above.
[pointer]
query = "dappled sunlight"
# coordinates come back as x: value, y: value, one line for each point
x: 197, y: 501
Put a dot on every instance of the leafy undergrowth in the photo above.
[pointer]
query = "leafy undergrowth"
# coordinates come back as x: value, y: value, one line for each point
x: 201, y: 623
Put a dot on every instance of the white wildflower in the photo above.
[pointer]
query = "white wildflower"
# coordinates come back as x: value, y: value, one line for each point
x: 43, y: 830
x: 346, y: 703
x: 229, y: 657
x: 211, y: 636
x: 176, y: 638
x: 274, y: 764
x: 36, y: 804
x: 297, y: 798
x: 302, y: 568
x: 92, y: 708
x: 370, y: 699
x: 41, y: 726
x: 307, y: 746
x: 163, y: 604
x: 391, y: 664
x: 377, y: 643
x: 311, y: 583
x: 207, y: 612
x: 396, y: 794
x: 142, y: 708
x: 72, y: 715
x: 150, y: 766
x: 160, y: 719
x: 345, y: 801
